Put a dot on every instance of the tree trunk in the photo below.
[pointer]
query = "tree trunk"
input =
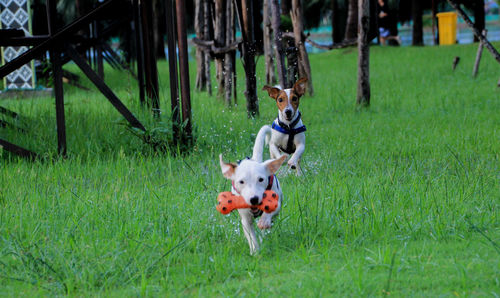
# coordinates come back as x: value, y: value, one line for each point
x: 258, y: 31
x: 184, y: 70
x: 339, y: 20
x: 335, y: 15
x: 175, y: 106
x: 479, y: 17
x: 207, y: 25
x: 298, y: 29
x: 200, y: 55
x: 220, y: 41
x: 351, y: 30
x: 150, y: 67
x: 292, y: 66
x: 363, y: 98
x: 158, y: 18
x: 268, y: 45
x: 228, y: 63
x: 246, y: 13
x: 278, y: 43
x: 416, y: 15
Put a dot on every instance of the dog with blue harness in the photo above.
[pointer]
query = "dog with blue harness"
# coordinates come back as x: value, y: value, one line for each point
x: 286, y: 135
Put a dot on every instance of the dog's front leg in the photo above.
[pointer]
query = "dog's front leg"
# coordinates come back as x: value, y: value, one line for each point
x: 274, y: 151
x: 265, y: 221
x: 249, y: 230
x: 295, y: 159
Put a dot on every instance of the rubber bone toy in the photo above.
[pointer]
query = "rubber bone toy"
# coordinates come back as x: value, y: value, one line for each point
x: 228, y: 202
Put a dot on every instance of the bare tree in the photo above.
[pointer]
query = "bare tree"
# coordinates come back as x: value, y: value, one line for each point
x: 229, y: 55
x: 220, y: 41
x: 207, y: 25
x: 200, y: 55
x: 268, y: 45
x: 278, y: 43
x: 298, y: 29
x: 351, y: 30
x: 245, y: 17
x: 416, y: 15
x: 363, y: 98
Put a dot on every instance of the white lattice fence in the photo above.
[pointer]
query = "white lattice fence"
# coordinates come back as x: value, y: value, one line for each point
x: 15, y: 14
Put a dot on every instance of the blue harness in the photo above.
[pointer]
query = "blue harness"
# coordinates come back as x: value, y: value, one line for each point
x: 290, y: 131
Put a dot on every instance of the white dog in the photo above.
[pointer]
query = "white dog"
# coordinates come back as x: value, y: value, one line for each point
x: 250, y: 178
x: 287, y: 130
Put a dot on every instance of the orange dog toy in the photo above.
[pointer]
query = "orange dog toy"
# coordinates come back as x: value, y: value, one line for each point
x: 228, y: 202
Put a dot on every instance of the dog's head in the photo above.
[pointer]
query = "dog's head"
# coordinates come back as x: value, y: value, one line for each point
x: 288, y: 99
x: 250, y: 178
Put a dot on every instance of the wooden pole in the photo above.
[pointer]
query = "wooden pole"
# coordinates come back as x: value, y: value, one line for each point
x: 220, y: 41
x: 268, y: 46
x: 207, y: 25
x: 246, y: 14
x: 278, y: 43
x: 352, y: 20
x: 55, y: 58
x: 139, y: 50
x: 228, y: 56
x: 363, y: 98
x: 184, y: 68
x: 172, y: 67
x: 200, y: 54
x: 478, y: 56
x: 105, y: 90
x: 298, y: 30
x: 416, y: 14
x: 17, y: 150
x: 477, y: 33
x: 151, y: 72
x: 99, y: 50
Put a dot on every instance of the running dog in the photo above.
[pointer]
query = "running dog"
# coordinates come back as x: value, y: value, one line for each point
x: 250, y: 178
x: 287, y: 131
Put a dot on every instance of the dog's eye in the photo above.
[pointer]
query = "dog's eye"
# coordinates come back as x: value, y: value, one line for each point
x: 280, y: 99
x: 294, y: 98
x: 242, y: 182
x: 261, y: 179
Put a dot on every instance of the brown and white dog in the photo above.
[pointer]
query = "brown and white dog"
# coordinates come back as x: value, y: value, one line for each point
x: 287, y: 131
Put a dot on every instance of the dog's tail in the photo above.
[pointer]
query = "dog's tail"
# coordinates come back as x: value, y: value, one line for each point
x: 261, y: 139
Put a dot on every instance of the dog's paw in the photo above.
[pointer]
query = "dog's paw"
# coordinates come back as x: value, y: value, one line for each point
x: 264, y: 223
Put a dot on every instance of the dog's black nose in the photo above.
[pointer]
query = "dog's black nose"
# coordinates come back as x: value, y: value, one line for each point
x: 254, y: 200
x: 288, y: 113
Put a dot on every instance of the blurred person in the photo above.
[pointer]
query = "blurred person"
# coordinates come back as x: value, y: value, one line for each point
x: 384, y: 24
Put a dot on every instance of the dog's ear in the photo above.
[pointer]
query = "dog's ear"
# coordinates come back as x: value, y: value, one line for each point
x: 227, y: 169
x: 300, y: 86
x: 272, y: 91
x: 274, y: 165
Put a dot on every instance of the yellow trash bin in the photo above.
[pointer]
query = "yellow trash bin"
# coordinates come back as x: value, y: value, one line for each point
x: 447, y: 28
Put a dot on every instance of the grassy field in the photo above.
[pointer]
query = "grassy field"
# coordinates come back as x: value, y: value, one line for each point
x: 400, y: 199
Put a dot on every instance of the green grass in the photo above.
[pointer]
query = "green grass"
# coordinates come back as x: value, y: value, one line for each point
x: 402, y: 198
